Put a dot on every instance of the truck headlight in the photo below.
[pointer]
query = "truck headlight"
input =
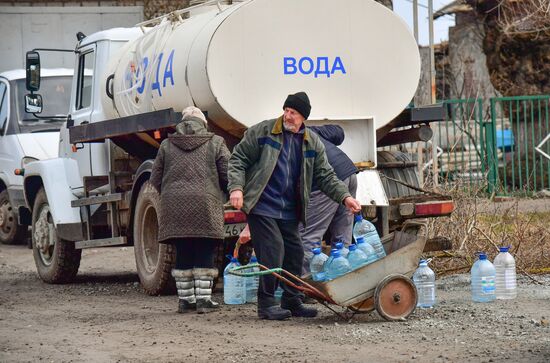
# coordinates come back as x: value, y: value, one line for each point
x: 27, y: 159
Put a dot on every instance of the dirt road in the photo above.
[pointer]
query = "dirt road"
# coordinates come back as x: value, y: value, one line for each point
x: 104, y: 317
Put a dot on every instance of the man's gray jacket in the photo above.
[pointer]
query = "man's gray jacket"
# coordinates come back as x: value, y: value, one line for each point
x: 255, y: 157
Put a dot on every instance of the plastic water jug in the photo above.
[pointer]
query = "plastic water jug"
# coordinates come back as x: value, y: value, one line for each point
x: 252, y: 283
x: 367, y: 249
x: 317, y: 264
x: 483, y: 280
x: 424, y: 280
x: 329, y: 261
x: 278, y: 293
x: 343, y: 249
x: 234, y: 288
x: 367, y: 230
x: 338, y: 267
x: 505, y: 266
x: 360, y: 229
x: 356, y: 257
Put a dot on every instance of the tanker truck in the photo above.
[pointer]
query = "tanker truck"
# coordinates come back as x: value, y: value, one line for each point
x: 236, y: 61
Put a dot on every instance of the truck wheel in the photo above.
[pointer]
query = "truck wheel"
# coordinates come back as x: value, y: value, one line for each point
x: 407, y: 175
x: 10, y: 231
x: 57, y: 261
x: 154, y: 261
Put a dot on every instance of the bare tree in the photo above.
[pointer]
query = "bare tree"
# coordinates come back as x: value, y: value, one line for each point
x: 525, y: 17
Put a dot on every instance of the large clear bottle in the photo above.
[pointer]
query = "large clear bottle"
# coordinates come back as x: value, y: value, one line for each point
x: 367, y: 230
x: 343, y: 249
x: 356, y: 257
x: 338, y: 267
x: 278, y: 292
x: 234, y: 288
x: 367, y: 249
x: 252, y: 283
x: 329, y: 261
x: 483, y: 280
x: 317, y: 265
x: 424, y: 280
x: 505, y: 266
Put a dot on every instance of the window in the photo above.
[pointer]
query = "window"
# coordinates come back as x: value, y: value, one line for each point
x: 85, y: 68
x: 56, y: 96
x: 3, y: 106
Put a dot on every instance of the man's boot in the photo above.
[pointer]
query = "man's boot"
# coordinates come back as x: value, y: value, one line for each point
x: 186, y: 290
x: 298, y: 309
x: 204, y: 280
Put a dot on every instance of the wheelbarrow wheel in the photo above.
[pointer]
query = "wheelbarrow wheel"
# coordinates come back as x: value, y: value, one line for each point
x: 395, y: 297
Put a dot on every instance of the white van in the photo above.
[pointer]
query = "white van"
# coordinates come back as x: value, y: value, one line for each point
x: 26, y: 137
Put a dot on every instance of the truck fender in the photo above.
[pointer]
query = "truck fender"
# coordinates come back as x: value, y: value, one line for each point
x: 58, y: 177
x: 142, y: 175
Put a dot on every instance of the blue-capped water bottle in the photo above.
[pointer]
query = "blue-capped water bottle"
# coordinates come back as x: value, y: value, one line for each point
x: 317, y: 265
x: 367, y: 230
x: 234, y: 288
x: 367, y: 249
x: 356, y: 257
x: 278, y: 292
x: 338, y: 267
x: 343, y: 249
x: 505, y: 282
x: 252, y: 282
x: 483, y: 280
x: 329, y: 261
x: 424, y: 280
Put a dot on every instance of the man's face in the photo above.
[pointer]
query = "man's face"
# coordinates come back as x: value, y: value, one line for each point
x: 292, y: 119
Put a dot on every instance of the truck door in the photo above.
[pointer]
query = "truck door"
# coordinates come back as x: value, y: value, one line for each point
x: 9, y: 148
x: 83, y: 106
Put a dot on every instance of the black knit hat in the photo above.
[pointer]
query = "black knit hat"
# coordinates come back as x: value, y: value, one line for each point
x: 299, y: 102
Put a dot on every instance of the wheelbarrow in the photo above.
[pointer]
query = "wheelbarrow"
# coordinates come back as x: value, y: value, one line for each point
x: 384, y: 285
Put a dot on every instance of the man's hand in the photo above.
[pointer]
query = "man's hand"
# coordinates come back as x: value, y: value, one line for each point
x: 236, y: 199
x: 244, y: 237
x: 352, y: 204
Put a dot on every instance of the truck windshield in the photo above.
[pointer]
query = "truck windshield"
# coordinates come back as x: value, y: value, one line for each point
x: 56, y: 94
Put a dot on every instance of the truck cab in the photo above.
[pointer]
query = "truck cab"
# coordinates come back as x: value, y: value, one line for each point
x: 25, y: 138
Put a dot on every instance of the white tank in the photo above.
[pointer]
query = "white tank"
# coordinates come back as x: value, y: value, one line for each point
x: 353, y: 58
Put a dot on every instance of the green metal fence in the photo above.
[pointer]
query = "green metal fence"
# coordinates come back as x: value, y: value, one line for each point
x: 460, y: 147
x: 494, y: 150
x: 519, y: 125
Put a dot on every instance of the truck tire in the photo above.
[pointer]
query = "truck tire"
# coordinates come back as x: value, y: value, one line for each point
x: 11, y: 232
x: 57, y: 261
x: 407, y: 175
x: 154, y: 261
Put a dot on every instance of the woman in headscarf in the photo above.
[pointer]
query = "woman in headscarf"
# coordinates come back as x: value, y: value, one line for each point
x: 190, y: 173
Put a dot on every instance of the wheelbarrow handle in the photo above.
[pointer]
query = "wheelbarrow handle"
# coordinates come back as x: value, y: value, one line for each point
x: 288, y: 278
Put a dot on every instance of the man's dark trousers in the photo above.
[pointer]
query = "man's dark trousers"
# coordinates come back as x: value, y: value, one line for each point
x: 277, y: 243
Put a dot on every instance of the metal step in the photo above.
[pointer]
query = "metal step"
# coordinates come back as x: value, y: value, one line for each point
x: 100, y: 199
x: 114, y: 241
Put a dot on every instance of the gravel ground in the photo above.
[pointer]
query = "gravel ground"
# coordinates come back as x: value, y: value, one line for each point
x: 105, y: 317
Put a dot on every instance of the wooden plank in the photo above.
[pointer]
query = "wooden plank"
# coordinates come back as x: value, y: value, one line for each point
x: 116, y: 241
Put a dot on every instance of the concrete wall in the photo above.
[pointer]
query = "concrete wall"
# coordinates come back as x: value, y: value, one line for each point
x: 23, y: 28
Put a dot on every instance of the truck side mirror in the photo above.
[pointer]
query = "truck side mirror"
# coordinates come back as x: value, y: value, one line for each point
x: 33, y: 103
x: 33, y: 71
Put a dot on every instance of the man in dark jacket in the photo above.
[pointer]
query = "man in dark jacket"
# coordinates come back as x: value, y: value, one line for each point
x: 271, y: 172
x: 324, y: 213
x: 190, y: 173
